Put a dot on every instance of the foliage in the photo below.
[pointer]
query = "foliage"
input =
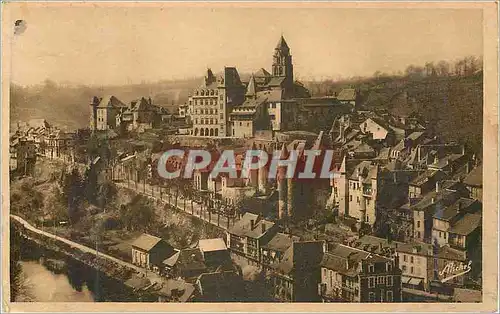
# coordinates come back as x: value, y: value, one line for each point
x: 26, y: 200
x: 139, y: 214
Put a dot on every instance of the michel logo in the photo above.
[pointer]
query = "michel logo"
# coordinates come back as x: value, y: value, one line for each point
x: 454, y: 269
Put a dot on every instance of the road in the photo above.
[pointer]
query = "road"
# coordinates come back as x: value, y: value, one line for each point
x: 151, y: 276
x: 217, y: 220
x: 220, y: 221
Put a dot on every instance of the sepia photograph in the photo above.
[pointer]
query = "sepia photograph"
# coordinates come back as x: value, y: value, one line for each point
x: 248, y: 156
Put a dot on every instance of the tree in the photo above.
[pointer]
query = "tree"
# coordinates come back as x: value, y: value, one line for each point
x: 72, y: 193
x: 138, y: 214
x: 429, y: 69
x: 55, y: 206
x: 443, y: 68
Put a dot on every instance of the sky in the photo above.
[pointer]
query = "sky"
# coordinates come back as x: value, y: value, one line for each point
x: 98, y: 45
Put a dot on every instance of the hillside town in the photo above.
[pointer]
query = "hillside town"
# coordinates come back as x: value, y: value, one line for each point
x: 399, y: 221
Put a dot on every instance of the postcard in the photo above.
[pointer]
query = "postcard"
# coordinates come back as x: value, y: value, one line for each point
x: 247, y: 156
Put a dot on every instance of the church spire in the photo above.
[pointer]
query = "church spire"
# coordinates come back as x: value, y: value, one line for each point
x: 282, y: 64
x: 283, y: 46
x: 252, y: 88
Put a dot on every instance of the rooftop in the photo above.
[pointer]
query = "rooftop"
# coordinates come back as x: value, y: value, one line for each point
x: 347, y: 94
x: 146, y: 242
x: 475, y: 177
x: 467, y: 224
x: 210, y: 245
x: 281, y: 242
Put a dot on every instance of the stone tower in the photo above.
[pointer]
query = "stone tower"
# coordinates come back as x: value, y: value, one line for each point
x: 263, y: 173
x: 282, y: 185
x: 282, y: 63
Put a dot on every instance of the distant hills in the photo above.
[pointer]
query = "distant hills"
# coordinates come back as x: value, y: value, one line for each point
x: 69, y: 105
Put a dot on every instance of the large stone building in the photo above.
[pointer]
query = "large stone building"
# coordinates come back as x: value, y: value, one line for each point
x: 103, y: 112
x: 225, y: 106
x: 212, y: 102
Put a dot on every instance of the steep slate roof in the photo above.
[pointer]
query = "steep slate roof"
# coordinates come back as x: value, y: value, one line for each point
x: 467, y: 224
x: 252, y: 87
x: 231, y: 77
x: 282, y: 45
x: 262, y: 73
x: 241, y: 227
x: 334, y: 262
x: 110, y: 101
x: 453, y: 209
x: 146, y: 242
x: 475, y: 177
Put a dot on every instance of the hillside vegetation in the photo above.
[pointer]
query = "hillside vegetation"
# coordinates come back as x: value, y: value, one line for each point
x: 451, y: 101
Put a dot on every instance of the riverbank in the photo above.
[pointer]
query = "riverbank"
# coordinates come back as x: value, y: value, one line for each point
x: 104, y: 266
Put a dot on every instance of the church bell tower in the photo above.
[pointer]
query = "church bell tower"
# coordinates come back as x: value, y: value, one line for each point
x: 282, y: 62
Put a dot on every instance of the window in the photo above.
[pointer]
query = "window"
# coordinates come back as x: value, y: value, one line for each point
x: 371, y: 297
x: 411, y: 259
x: 371, y: 282
x: 418, y: 234
x: 418, y: 224
x: 405, y: 258
x: 371, y: 268
x: 357, y: 199
x: 350, y: 198
x: 445, y: 235
x: 389, y: 267
x: 411, y: 270
x: 389, y: 281
x: 380, y: 280
x: 440, y: 234
x: 324, y: 272
x: 389, y: 296
x: 403, y: 268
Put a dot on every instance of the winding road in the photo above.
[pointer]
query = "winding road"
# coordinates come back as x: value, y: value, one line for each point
x: 152, y: 276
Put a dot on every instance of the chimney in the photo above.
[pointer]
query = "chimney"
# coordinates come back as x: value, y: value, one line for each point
x: 437, y: 187
x: 252, y: 224
x: 433, y: 200
x: 263, y: 227
x: 463, y: 150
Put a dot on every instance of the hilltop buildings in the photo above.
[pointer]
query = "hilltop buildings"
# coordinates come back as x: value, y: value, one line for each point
x: 225, y: 106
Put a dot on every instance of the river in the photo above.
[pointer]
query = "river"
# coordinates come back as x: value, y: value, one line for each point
x: 43, y: 285
x: 47, y: 276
